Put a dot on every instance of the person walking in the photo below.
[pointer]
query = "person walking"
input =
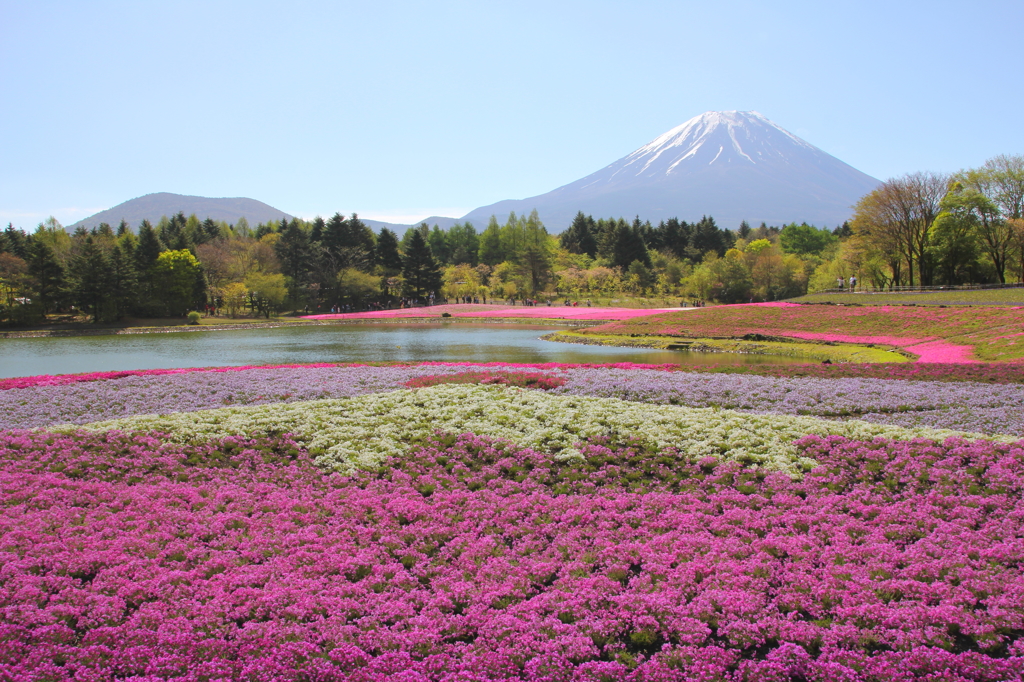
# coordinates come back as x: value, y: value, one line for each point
x: 853, y: 282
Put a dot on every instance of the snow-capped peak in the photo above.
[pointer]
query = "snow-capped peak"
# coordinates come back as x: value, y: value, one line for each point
x: 713, y: 137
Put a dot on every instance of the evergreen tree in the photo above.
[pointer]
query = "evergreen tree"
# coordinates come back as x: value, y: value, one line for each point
x: 606, y: 237
x: 744, y: 231
x: 104, y: 231
x: 14, y: 241
x: 90, y: 289
x: 293, y: 251
x: 579, y: 238
x: 209, y: 231
x: 674, y: 237
x: 149, y: 248
x: 645, y: 231
x: 707, y: 237
x: 439, y: 246
x: 629, y: 246
x: 123, y: 228
x: 316, y: 233
x: 364, y: 243
x: 420, y: 270
x: 263, y: 229
x: 843, y: 231
x: 464, y: 244
x: 123, y: 282
x: 47, y: 274
x: 174, y: 234
x: 491, y: 252
x: 387, y: 255
x: 348, y: 243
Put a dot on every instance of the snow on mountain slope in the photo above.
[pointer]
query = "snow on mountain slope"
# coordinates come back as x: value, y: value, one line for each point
x: 733, y: 165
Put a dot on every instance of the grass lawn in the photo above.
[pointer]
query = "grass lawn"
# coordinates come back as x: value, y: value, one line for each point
x: 977, y: 297
x: 812, y: 352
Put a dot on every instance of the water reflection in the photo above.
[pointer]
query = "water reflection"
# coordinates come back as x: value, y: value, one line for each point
x: 336, y: 343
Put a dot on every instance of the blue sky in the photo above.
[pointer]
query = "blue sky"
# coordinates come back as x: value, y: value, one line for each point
x: 400, y: 110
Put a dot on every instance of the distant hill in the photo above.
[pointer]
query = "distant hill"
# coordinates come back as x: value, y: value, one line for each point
x: 153, y: 206
x: 732, y: 165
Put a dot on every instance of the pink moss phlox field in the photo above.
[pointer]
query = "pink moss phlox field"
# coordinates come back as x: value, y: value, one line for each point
x: 988, y: 331
x: 495, y: 311
x: 125, y: 558
x: 941, y: 351
x: 926, y: 350
x: 897, y: 341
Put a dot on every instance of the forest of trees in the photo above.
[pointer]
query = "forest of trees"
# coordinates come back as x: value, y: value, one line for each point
x: 925, y: 229
x: 919, y: 229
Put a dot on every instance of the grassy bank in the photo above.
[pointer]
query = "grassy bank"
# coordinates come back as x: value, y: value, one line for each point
x: 1008, y: 297
x: 812, y: 352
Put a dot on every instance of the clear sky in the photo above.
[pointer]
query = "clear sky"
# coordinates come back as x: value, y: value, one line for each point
x: 400, y: 110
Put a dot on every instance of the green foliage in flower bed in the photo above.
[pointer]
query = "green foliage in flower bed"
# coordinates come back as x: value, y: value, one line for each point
x: 358, y: 433
x: 813, y: 352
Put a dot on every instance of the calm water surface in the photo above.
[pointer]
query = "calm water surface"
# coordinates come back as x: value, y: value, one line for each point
x: 338, y: 343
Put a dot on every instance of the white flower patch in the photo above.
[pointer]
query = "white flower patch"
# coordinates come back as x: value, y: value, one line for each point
x: 346, y: 434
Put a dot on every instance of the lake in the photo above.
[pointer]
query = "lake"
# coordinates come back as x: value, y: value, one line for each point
x: 335, y: 343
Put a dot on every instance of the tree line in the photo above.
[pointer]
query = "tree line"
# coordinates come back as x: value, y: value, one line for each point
x: 183, y: 263
x: 918, y: 229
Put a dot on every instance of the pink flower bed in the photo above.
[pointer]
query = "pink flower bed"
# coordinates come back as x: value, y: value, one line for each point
x: 927, y: 350
x: 469, y: 561
x: 940, y: 351
x: 489, y: 311
x: 897, y: 341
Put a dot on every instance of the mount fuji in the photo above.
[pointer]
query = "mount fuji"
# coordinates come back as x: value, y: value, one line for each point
x: 732, y: 165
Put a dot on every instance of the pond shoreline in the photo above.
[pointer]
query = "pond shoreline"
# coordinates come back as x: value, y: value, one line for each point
x: 118, y: 331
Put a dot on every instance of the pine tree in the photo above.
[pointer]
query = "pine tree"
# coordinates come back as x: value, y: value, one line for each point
x: 420, y: 270
x: 316, y: 233
x: 16, y: 242
x: 90, y: 290
x: 174, y: 234
x: 707, y: 237
x: 208, y: 231
x: 47, y: 274
x: 123, y: 282
x: 293, y: 251
x: 439, y: 247
x: 149, y: 248
x: 387, y: 255
x: 464, y: 244
x: 629, y: 246
x: 491, y: 252
x: 579, y: 238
